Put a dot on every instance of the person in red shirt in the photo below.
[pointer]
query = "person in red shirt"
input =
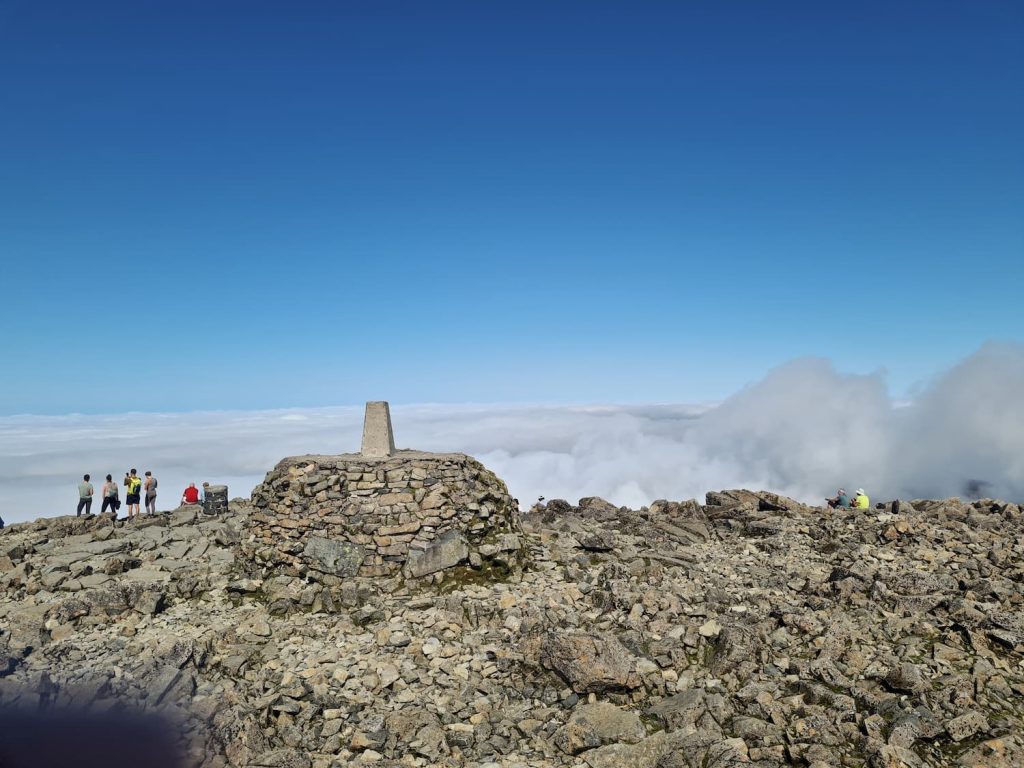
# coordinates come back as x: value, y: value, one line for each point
x: 191, y: 495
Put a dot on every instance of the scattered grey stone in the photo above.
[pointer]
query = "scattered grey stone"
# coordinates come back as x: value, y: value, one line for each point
x: 748, y: 631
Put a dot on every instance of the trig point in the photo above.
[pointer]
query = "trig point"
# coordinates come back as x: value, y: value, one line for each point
x: 378, y: 439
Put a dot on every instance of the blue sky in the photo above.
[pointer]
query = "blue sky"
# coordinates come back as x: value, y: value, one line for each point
x: 258, y: 205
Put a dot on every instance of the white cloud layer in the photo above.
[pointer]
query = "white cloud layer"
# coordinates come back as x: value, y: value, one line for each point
x: 803, y: 430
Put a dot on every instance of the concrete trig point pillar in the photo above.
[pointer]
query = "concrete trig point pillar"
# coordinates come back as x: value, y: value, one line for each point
x: 215, y: 500
x: 378, y: 439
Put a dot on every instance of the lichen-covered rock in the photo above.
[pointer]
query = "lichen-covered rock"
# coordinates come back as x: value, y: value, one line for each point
x: 590, y: 663
x: 966, y: 725
x: 446, y: 551
x: 592, y: 725
x: 340, y: 558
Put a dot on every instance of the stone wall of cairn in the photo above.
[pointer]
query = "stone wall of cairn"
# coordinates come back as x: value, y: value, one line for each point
x: 331, y: 517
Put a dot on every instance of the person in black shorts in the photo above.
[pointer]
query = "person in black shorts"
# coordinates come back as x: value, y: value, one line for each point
x: 133, y: 484
x: 110, y: 496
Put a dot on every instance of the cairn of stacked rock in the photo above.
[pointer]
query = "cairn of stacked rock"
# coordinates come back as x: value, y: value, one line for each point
x: 383, y: 512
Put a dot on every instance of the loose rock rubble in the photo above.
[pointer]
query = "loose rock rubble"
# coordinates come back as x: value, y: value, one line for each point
x: 749, y: 630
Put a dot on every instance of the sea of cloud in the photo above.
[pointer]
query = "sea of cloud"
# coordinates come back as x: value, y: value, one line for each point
x: 803, y: 430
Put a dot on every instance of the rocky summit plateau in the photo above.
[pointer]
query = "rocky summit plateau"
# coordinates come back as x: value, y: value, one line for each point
x: 397, y: 610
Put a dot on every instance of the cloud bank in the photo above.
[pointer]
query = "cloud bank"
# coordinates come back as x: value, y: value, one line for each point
x: 803, y: 430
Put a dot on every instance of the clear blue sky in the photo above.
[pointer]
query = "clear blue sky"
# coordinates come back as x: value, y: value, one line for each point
x: 266, y: 204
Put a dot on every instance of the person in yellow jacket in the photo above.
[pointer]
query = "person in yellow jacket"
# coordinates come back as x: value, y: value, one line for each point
x: 861, y: 500
x: 133, y: 484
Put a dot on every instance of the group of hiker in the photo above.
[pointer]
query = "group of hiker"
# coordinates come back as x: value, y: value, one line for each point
x: 842, y: 500
x: 135, y: 488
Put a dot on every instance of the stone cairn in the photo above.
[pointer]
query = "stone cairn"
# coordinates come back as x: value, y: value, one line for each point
x: 385, y: 512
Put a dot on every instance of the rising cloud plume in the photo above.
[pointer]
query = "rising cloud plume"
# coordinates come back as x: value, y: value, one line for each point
x: 803, y: 430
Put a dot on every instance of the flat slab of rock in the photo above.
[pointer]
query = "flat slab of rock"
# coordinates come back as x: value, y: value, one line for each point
x: 966, y: 726
x: 95, y: 580
x: 642, y: 755
x: 162, y: 682
x: 447, y: 551
x: 593, y: 725
x: 680, y: 711
x: 341, y: 558
x: 104, y: 547
x: 147, y: 575
x: 757, y: 500
x: 184, y: 515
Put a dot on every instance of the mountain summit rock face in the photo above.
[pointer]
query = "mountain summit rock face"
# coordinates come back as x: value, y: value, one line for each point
x: 746, y: 631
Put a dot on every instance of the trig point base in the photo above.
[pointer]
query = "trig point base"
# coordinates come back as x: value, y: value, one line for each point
x: 382, y: 512
x: 378, y: 439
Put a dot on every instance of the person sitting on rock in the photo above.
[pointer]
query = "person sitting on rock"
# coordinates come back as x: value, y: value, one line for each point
x: 861, y: 500
x: 191, y: 495
x: 841, y: 500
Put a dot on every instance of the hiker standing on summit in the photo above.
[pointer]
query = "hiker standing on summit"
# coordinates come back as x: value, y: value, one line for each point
x: 133, y: 484
x: 85, y: 492
x: 110, y: 496
x: 150, y: 488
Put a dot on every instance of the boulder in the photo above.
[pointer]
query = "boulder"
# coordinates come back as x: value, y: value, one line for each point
x: 966, y: 725
x: 593, y: 725
x: 340, y: 558
x: 764, y: 501
x: 660, y: 750
x: 590, y: 663
x: 447, y: 551
x: 685, y: 710
x: 597, y: 508
x: 185, y: 515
